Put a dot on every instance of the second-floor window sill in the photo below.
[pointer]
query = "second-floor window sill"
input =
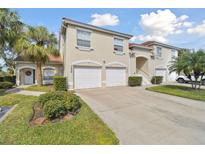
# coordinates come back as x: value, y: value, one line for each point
x: 119, y: 53
x: 84, y: 48
x: 159, y: 58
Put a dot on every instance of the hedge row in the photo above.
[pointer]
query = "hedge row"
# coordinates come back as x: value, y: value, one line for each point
x: 8, y: 79
x: 6, y: 85
x: 59, y: 83
x: 157, y: 79
x: 135, y: 81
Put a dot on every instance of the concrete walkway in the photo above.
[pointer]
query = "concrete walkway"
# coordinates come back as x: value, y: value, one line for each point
x: 138, y: 116
x: 19, y: 90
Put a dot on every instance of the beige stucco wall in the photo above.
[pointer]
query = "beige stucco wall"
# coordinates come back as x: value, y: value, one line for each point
x: 139, y: 55
x: 164, y: 61
x: 102, y: 53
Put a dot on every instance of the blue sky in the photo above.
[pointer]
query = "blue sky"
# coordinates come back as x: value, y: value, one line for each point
x: 130, y: 21
x: 179, y: 27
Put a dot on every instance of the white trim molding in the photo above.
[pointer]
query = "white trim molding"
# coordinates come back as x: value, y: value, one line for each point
x: 23, y: 67
x: 144, y: 56
x: 45, y: 67
x: 116, y: 62
x: 161, y: 67
x: 86, y: 61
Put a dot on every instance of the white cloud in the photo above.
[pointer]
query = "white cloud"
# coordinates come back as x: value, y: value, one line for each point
x: 183, y: 18
x: 199, y: 29
x: 148, y: 38
x: 104, y: 19
x: 159, y: 25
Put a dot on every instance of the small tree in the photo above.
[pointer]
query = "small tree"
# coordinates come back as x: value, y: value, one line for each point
x: 36, y: 44
x: 190, y: 64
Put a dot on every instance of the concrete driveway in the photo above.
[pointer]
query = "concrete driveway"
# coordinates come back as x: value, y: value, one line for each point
x: 138, y: 116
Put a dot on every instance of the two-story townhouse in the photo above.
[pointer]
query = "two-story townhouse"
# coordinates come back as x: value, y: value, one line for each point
x: 93, y: 56
x: 153, y: 58
x: 96, y: 57
x: 163, y: 55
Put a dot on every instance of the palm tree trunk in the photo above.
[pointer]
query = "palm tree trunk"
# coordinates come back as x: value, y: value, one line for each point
x: 200, y: 83
x: 195, y: 84
x: 192, y: 84
x: 39, y: 74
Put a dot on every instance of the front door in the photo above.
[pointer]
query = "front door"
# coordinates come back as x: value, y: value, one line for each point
x: 28, y: 80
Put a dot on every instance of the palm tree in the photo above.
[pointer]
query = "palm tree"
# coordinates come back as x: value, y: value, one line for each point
x: 10, y: 29
x: 36, y: 44
x: 190, y: 63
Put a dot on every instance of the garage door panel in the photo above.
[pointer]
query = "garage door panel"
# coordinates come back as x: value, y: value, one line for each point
x: 173, y: 76
x: 115, y: 77
x: 87, y: 77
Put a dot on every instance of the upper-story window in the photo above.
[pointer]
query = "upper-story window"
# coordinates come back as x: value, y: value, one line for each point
x: 83, y: 38
x: 118, y: 45
x: 174, y: 53
x: 159, y: 52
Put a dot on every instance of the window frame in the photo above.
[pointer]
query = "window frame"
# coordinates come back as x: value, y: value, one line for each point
x: 173, y: 51
x: 157, y: 53
x: 122, y: 45
x: 48, y: 78
x: 81, y: 46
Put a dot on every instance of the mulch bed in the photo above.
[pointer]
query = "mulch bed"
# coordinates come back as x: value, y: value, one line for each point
x: 38, y: 117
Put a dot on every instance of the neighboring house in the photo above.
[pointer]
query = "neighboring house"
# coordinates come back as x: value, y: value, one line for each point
x: 26, y: 70
x: 153, y: 58
x: 97, y: 57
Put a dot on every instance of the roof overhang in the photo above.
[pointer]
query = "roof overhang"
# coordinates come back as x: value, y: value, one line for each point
x: 139, y: 46
x: 150, y: 43
x: 67, y: 21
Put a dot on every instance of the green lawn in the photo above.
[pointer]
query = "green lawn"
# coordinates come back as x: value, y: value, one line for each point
x: 181, y: 91
x: 85, y: 128
x: 46, y: 88
x: 2, y: 92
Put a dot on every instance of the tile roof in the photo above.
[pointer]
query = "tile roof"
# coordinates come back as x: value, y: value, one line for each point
x: 54, y: 59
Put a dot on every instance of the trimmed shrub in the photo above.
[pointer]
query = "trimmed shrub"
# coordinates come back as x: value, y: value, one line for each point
x: 6, y: 85
x: 1, y: 79
x: 56, y: 95
x: 72, y: 102
x: 10, y: 79
x: 54, y: 109
x: 156, y: 79
x: 59, y: 83
x: 135, y: 81
x: 59, y: 103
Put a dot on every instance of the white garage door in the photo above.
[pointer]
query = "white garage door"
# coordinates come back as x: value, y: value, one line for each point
x: 87, y: 77
x: 161, y: 72
x: 172, y: 76
x: 115, y: 76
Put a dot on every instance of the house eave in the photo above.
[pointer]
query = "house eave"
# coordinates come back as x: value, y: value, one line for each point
x: 29, y: 62
x: 163, y: 45
x: 141, y: 47
x: 88, y: 26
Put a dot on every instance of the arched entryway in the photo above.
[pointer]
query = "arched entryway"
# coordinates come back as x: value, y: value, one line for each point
x: 27, y: 76
x: 142, y: 64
